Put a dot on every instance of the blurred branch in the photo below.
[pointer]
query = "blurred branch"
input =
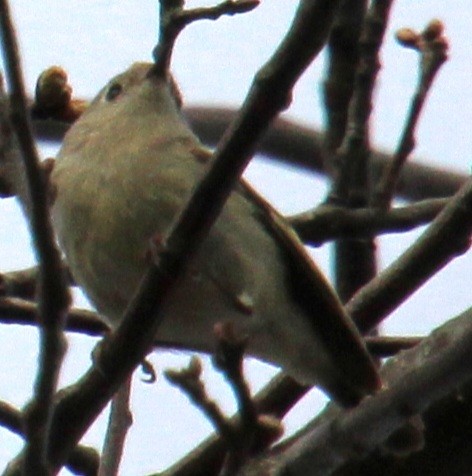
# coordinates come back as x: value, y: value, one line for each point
x: 15, y: 311
x: 386, y: 346
x: 23, y: 283
x: 53, y: 295
x: 355, y: 259
x: 20, y: 283
x: 301, y: 146
x: 338, y: 86
x: 119, y: 422
x: 83, y: 460
x: 24, y: 312
x: 11, y: 418
x: 292, y: 143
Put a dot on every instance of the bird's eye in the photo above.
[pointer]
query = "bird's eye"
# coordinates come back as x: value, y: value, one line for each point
x: 113, y: 91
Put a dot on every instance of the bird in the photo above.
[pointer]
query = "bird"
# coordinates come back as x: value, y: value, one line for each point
x: 124, y: 171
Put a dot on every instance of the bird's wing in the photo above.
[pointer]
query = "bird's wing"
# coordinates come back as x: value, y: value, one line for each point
x: 344, y: 344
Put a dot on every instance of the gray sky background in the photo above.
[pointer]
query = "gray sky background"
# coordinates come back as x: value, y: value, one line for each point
x: 214, y: 63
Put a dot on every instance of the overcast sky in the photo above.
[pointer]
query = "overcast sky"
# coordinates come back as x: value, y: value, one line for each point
x: 214, y: 63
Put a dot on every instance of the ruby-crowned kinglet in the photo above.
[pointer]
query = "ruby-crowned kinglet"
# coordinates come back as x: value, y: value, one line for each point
x: 124, y: 171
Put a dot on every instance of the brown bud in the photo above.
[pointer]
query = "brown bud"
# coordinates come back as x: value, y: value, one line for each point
x: 434, y: 30
x: 407, y: 38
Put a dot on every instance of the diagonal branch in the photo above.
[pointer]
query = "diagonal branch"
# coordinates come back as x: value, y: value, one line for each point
x: 421, y: 376
x: 270, y: 92
x: 432, y: 46
x: 447, y: 237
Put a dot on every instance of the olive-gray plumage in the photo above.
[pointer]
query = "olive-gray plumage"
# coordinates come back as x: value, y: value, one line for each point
x: 124, y: 171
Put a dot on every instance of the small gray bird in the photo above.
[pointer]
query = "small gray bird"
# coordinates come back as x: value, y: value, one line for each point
x: 124, y: 171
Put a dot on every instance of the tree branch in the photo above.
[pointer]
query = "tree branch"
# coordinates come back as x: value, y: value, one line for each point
x: 432, y: 46
x: 447, y: 237
x: 416, y: 379
x: 53, y: 295
x: 329, y: 222
x: 271, y: 89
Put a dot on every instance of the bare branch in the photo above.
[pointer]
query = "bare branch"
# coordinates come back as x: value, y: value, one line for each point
x: 432, y: 46
x: 54, y: 298
x: 421, y: 376
x: 329, y: 222
x: 83, y: 460
x: 119, y: 423
x: 355, y: 260
x: 174, y: 18
x: 351, y: 179
x: 189, y: 381
x: 447, y: 237
x: 272, y: 87
x: 386, y: 346
x: 298, y: 145
x: 20, y: 311
x: 253, y: 432
x: 343, y: 57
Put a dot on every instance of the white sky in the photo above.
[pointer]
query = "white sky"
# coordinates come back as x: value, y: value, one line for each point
x: 214, y: 63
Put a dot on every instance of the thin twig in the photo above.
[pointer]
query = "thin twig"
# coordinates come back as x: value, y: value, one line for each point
x: 174, y: 18
x: 11, y: 418
x: 386, y: 346
x: 24, y: 312
x: 351, y: 183
x: 330, y: 222
x: 20, y: 283
x: 119, y: 422
x: 432, y: 46
x: 54, y: 298
x: 338, y: 86
x: 11, y: 169
x: 189, y: 381
x: 228, y: 359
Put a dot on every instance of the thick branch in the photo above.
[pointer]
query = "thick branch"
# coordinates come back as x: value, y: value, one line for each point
x: 421, y: 376
x: 298, y: 145
x: 270, y: 92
